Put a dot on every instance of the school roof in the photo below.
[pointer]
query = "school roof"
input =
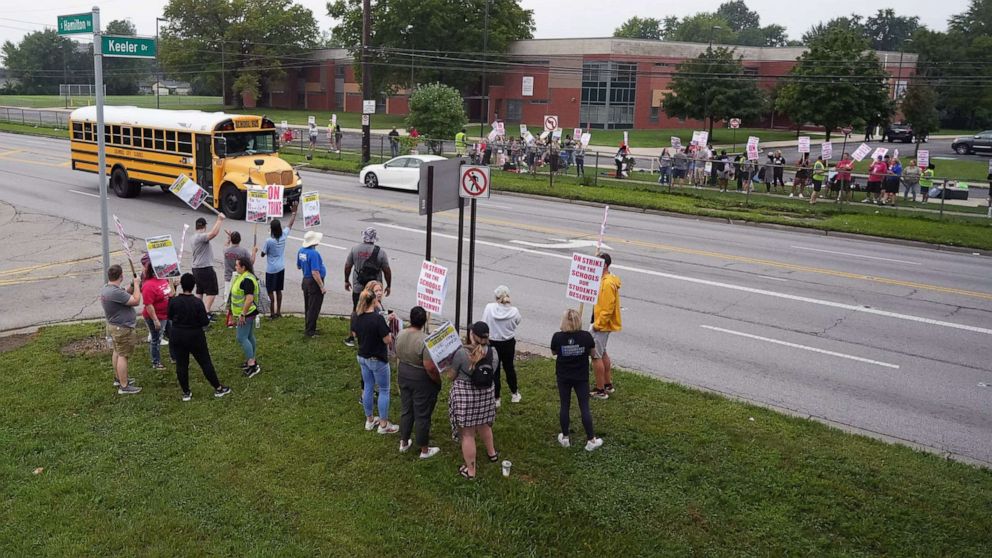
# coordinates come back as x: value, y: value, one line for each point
x: 192, y: 120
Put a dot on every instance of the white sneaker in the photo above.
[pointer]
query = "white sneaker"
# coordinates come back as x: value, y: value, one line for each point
x: 405, y: 445
x: 563, y: 440
x: 149, y: 338
x: 801, y: 195
x: 431, y: 452
x: 163, y: 342
x: 792, y: 195
x: 370, y: 424
x: 390, y: 428
x: 515, y: 398
x: 594, y: 444
x: 497, y: 403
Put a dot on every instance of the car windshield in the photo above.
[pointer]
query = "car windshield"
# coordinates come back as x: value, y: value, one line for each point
x: 250, y: 143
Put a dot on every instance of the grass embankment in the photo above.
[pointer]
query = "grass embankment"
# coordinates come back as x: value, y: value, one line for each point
x: 284, y: 467
x: 147, y: 101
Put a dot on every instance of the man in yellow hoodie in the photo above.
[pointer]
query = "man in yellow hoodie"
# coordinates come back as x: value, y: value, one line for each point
x: 605, y: 320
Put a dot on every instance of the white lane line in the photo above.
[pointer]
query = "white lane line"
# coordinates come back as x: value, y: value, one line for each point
x: 85, y: 193
x: 854, y: 255
x: 336, y: 247
x: 773, y: 278
x: 803, y: 347
x: 796, y: 298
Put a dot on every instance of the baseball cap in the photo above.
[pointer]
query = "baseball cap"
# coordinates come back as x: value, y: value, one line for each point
x: 480, y: 329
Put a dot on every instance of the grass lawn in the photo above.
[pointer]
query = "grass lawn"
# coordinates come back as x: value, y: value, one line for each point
x: 30, y: 130
x: 283, y: 467
x: 146, y: 101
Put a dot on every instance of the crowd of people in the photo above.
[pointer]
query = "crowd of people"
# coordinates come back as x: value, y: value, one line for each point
x: 179, y: 314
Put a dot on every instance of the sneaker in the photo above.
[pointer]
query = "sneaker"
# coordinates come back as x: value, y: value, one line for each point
x: 222, y: 391
x: 128, y: 390
x: 563, y: 440
x: 163, y: 342
x: 253, y: 370
x: 801, y: 196
x: 390, y: 428
x: 405, y: 445
x: 187, y: 396
x: 158, y: 366
x: 117, y: 383
x: 792, y: 195
x: 866, y: 200
x: 594, y: 444
x: 431, y: 452
x: 370, y: 424
x: 498, y: 403
x: 609, y: 388
x: 599, y: 394
x: 349, y: 341
x: 211, y: 317
x: 515, y: 398
x: 149, y: 340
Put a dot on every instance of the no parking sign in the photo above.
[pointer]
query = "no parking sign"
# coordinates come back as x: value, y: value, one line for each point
x: 474, y: 182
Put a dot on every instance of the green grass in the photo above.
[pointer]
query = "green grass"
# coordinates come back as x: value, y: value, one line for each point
x: 146, y: 101
x: 28, y: 129
x: 283, y: 467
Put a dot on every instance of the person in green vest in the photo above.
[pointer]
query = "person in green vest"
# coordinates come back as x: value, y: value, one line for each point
x: 244, y: 293
x: 926, y: 182
x: 460, y: 143
x: 819, y: 173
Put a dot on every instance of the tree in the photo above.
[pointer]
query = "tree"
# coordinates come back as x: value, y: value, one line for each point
x: 43, y: 60
x: 854, y: 23
x: 702, y: 28
x: 713, y: 86
x: 976, y: 20
x: 243, y: 43
x: 887, y: 31
x: 442, y: 39
x: 837, y: 81
x: 639, y: 28
x: 436, y: 111
x: 738, y: 16
x: 919, y: 107
x: 732, y: 24
x: 768, y: 36
x: 122, y: 75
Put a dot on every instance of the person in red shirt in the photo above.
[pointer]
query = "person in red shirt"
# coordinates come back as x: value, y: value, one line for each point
x: 843, y: 178
x: 155, y: 294
x: 287, y: 136
x: 876, y: 173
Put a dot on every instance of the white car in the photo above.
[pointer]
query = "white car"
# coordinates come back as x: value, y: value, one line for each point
x: 401, y: 172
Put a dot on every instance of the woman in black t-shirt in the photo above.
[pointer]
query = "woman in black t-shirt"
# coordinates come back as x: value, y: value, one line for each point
x: 572, y: 347
x: 188, y: 318
x: 374, y: 337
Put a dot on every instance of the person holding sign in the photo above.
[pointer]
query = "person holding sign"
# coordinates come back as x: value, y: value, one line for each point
x: 843, y: 180
x: 606, y: 320
x: 472, y: 402
x: 156, y: 293
x: 572, y: 347
x: 876, y: 173
x: 419, y: 383
x: 203, y: 262
x: 188, y: 318
x: 244, y: 293
x: 310, y: 262
x: 274, y: 251
x: 118, y: 306
x: 232, y: 251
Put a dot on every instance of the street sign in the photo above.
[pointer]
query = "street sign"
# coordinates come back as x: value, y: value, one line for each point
x: 75, y: 24
x: 368, y: 107
x: 735, y: 123
x: 847, y: 130
x: 474, y: 182
x: 366, y: 120
x: 550, y: 122
x: 128, y: 47
x: 447, y: 173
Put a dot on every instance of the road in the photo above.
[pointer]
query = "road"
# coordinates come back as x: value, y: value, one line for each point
x: 889, y: 340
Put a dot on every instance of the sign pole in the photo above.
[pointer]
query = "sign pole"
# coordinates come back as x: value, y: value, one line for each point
x: 471, y: 264
x: 430, y: 212
x: 458, y: 266
x: 101, y: 137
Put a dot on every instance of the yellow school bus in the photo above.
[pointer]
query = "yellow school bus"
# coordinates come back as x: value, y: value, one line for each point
x: 151, y: 147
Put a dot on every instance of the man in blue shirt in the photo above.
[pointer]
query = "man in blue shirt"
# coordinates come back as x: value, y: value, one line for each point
x: 308, y: 260
x: 275, y: 268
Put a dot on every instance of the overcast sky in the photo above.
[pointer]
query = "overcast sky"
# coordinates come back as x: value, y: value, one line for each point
x: 554, y: 18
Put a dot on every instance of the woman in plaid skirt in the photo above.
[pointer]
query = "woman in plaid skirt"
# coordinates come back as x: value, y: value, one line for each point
x: 472, y: 409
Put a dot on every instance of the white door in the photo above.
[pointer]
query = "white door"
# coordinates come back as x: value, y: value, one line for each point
x: 411, y: 173
x: 392, y: 174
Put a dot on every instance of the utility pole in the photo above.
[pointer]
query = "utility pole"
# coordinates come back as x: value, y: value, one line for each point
x: 101, y: 136
x: 484, y: 100
x: 366, y: 79
x: 223, y: 75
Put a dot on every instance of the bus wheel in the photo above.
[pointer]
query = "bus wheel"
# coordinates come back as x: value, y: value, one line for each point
x: 123, y: 187
x: 232, y: 202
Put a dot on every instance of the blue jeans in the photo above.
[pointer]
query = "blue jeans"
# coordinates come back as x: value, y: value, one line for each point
x: 155, y: 346
x: 246, y: 337
x: 394, y: 148
x: 665, y: 175
x: 375, y: 373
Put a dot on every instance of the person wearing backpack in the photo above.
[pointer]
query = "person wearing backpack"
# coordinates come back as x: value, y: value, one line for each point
x: 366, y: 262
x: 472, y: 401
x: 572, y: 347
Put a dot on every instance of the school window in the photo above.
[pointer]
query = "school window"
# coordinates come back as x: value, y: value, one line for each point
x: 170, y: 141
x: 77, y: 130
x: 654, y: 114
x: 608, y: 94
x: 159, y: 140
x: 185, y: 143
x: 514, y: 110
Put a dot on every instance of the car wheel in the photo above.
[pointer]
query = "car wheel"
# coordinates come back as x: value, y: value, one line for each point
x: 122, y: 186
x: 961, y: 149
x: 232, y: 201
x: 371, y: 180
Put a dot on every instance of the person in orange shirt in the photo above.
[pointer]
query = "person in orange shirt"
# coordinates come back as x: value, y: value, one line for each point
x: 605, y: 320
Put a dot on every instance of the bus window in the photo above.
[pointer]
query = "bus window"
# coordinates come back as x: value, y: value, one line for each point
x: 88, y: 132
x: 160, y: 140
x: 149, y: 141
x: 170, y: 141
x: 77, y: 130
x: 185, y: 140
x: 250, y: 143
x: 125, y: 136
x: 115, y: 135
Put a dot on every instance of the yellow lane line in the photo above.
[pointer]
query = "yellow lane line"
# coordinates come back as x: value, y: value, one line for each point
x: 11, y: 152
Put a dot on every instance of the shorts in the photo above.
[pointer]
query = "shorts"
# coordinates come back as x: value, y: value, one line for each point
x: 892, y: 186
x: 817, y: 184
x: 206, y: 281
x: 274, y: 282
x: 873, y: 187
x: 842, y: 184
x: 601, y: 338
x: 124, y: 339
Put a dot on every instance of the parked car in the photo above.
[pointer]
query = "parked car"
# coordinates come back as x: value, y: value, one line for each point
x: 401, y: 172
x: 899, y: 132
x: 981, y: 141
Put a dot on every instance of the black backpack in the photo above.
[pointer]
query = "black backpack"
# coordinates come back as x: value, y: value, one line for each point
x: 482, y: 373
x: 370, y: 268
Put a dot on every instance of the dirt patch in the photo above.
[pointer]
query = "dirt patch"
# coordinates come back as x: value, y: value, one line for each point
x: 11, y: 342
x: 88, y: 346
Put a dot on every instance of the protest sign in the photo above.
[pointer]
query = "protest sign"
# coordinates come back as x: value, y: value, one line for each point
x: 826, y: 150
x: 879, y: 152
x: 257, y: 206
x: 752, y: 148
x: 499, y: 128
x: 523, y: 129
x: 275, y: 192
x: 492, y: 135
x: 556, y: 135
x: 284, y: 124
x: 312, y: 120
x: 895, y: 153
x: 585, y: 139
x: 923, y: 158
x: 162, y: 253
x: 442, y: 344
x: 124, y: 241
x: 577, y: 133
x: 804, y: 144
x: 182, y: 242
x: 334, y: 120
x: 704, y: 138
x: 695, y: 138
x: 676, y: 142
x: 860, y: 153
x: 188, y: 191
x: 584, y: 278
x: 626, y: 139
x: 311, y: 209
x: 432, y: 285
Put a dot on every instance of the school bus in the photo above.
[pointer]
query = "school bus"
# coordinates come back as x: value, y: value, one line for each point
x: 151, y: 147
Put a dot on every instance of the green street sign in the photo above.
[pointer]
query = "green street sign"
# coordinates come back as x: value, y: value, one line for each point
x: 128, y: 47
x: 75, y: 24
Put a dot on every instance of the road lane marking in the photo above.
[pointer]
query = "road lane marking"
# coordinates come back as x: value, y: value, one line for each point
x: 11, y: 152
x: 751, y: 290
x: 336, y: 247
x: 85, y: 193
x: 803, y: 347
x: 854, y: 255
x: 774, y: 278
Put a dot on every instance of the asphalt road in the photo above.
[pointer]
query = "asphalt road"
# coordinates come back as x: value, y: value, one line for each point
x: 890, y: 340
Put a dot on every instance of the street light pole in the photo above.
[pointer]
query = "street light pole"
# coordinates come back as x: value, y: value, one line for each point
x: 706, y: 99
x: 158, y: 63
x: 409, y: 37
x: 484, y: 101
x: 895, y: 87
x: 366, y: 79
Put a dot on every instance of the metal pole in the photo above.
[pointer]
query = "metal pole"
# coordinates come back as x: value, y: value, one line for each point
x: 101, y: 136
x: 223, y: 75
x: 458, y: 271
x: 484, y: 100
x: 430, y: 211
x: 943, y: 196
x: 595, y: 174
x: 471, y: 264
x: 366, y: 77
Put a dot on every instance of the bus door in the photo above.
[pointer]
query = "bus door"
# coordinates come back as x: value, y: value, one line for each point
x: 204, y: 163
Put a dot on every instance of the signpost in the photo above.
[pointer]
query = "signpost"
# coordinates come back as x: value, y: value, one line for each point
x: 550, y: 122
x: 127, y: 47
x: 734, y: 124
x: 75, y: 24
x: 368, y: 106
x: 474, y: 182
